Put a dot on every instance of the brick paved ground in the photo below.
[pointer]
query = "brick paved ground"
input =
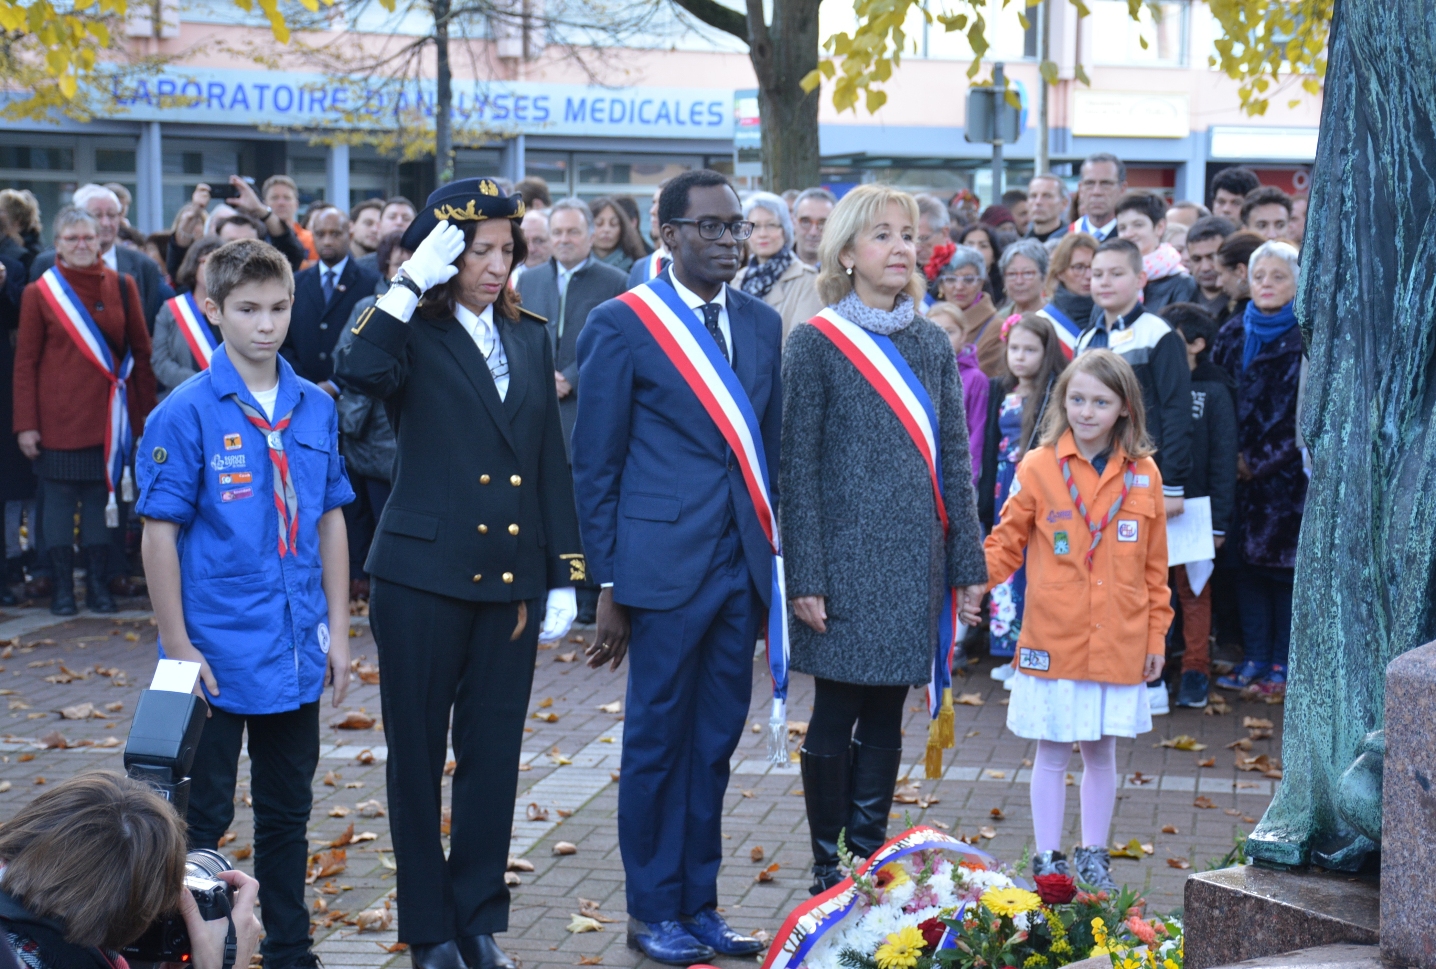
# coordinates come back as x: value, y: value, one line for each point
x: 571, y: 763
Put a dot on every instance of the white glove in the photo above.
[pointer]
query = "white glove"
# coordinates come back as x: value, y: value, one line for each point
x: 432, y: 264
x: 558, y: 615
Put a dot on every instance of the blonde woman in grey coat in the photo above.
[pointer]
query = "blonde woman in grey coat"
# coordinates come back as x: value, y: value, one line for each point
x: 867, y: 561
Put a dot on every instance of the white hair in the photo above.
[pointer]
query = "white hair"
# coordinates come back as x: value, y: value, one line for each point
x: 87, y: 193
x: 574, y: 204
x: 775, y: 205
x: 1276, y: 249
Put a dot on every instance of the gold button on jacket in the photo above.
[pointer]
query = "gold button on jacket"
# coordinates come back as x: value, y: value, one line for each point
x: 513, y: 529
x: 508, y: 578
x: 483, y: 479
x: 478, y: 578
x: 483, y: 529
x: 516, y: 481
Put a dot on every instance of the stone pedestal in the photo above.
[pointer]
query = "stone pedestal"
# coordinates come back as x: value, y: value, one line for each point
x: 1341, y: 956
x: 1241, y: 913
x: 1408, y: 834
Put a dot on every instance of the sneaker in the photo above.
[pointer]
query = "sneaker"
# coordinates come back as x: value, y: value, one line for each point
x: 1157, y: 699
x: 1094, y: 868
x: 1050, y: 863
x: 1193, y: 692
x: 1274, y: 683
x: 1243, y: 676
x: 1004, y: 672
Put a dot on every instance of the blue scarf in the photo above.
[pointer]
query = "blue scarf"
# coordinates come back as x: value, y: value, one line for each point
x: 1262, y: 328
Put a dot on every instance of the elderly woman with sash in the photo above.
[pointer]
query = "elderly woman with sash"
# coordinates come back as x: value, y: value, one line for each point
x: 880, y: 529
x: 83, y: 386
x: 184, y: 338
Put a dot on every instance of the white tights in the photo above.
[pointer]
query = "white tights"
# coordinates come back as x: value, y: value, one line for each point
x: 1049, y: 791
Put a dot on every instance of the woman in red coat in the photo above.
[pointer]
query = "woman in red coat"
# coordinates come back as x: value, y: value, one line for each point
x: 62, y: 400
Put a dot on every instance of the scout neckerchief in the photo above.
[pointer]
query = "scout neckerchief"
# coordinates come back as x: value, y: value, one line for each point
x: 81, y: 326
x: 878, y: 360
x: 681, y: 335
x: 1095, y: 527
x: 193, y: 327
x: 286, y: 501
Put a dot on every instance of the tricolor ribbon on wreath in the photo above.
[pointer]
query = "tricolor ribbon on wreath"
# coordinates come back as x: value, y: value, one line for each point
x: 90, y: 340
x: 880, y: 363
x: 683, y: 338
x: 193, y: 327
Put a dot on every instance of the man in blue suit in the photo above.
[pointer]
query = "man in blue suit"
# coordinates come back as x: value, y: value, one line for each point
x: 324, y: 298
x: 672, y: 535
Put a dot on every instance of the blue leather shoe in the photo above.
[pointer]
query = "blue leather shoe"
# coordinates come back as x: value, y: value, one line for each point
x: 710, y: 928
x: 667, y: 942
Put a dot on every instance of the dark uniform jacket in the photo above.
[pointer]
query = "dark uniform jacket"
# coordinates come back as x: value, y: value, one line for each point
x: 314, y: 325
x: 482, y: 505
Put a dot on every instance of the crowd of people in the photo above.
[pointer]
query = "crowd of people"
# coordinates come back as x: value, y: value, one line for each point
x: 1110, y: 356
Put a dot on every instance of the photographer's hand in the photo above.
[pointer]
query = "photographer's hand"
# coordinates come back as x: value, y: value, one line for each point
x: 206, y: 939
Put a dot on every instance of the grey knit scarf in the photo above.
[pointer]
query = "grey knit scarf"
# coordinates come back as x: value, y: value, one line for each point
x: 883, y: 322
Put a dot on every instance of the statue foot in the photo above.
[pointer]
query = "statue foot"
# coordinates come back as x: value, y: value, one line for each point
x: 1340, y: 854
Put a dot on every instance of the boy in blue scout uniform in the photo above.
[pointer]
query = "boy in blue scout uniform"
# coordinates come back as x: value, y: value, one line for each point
x: 241, y: 488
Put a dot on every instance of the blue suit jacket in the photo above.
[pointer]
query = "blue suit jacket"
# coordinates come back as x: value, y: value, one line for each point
x: 314, y: 326
x: 655, y: 481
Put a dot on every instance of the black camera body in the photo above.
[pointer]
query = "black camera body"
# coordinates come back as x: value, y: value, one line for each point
x: 168, y: 939
x: 160, y: 751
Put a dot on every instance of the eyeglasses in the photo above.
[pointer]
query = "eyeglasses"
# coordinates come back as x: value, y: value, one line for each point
x: 712, y: 229
x: 1079, y: 268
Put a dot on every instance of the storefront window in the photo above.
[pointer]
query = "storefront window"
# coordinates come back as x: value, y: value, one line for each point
x: 551, y: 166
x: 38, y: 159
x: 478, y: 163
x: 117, y: 160
x: 1117, y: 38
x: 616, y: 169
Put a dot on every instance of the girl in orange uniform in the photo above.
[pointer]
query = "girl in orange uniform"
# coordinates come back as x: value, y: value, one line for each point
x: 1086, y: 507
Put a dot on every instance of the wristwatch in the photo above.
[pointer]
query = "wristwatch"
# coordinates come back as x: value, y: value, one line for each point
x: 401, y: 278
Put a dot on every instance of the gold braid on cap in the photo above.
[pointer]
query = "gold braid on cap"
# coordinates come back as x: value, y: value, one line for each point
x: 467, y: 213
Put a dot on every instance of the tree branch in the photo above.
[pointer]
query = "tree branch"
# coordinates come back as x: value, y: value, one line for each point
x: 716, y: 15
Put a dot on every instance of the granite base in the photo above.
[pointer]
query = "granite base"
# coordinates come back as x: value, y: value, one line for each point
x: 1235, y: 914
x: 1408, y: 854
x: 1340, y: 956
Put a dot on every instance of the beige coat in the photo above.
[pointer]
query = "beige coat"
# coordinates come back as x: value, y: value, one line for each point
x: 794, y: 295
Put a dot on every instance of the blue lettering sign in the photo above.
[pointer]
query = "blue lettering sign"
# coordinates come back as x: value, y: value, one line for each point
x: 288, y: 97
x: 575, y: 114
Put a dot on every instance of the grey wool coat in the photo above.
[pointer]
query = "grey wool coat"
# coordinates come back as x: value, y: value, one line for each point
x: 859, y: 518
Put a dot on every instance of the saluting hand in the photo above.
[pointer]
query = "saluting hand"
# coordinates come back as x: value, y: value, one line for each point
x: 432, y: 264
x: 610, y: 640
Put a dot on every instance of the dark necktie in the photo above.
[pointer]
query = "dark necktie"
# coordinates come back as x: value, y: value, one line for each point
x: 710, y: 320
x: 328, y: 283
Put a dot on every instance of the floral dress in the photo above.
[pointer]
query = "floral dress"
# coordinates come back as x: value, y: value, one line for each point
x: 1007, y: 598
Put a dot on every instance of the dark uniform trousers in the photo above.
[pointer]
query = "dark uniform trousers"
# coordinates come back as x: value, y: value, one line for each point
x: 283, y: 755
x: 690, y: 680
x: 438, y: 653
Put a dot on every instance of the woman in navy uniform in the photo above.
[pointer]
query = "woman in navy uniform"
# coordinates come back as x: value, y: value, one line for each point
x: 479, y: 535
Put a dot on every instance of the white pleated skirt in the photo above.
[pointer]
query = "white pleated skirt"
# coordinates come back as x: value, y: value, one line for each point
x: 1067, y: 711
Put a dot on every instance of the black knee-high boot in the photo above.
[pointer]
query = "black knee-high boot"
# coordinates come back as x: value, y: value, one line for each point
x: 97, y: 579
x: 875, y: 772
x: 62, y: 564
x: 827, y: 793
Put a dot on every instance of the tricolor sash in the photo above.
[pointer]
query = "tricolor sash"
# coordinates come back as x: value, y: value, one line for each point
x: 878, y: 360
x: 193, y: 327
x: 656, y: 261
x: 681, y: 335
x: 1067, y: 330
x: 82, y: 328
x: 805, y: 927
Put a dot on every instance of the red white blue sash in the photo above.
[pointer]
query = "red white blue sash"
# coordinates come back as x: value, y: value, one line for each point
x: 1067, y: 330
x: 193, y: 327
x: 655, y: 262
x: 681, y: 335
x: 82, y: 328
x: 878, y: 360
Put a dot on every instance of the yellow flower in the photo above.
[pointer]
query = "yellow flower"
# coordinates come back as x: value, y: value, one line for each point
x: 1010, y: 901
x: 892, y: 875
x: 1098, y: 950
x: 901, y: 949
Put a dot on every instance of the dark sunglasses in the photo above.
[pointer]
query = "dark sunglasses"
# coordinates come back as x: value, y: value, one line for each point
x: 712, y: 229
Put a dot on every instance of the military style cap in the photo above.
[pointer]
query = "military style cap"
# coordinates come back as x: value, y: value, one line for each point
x: 467, y: 200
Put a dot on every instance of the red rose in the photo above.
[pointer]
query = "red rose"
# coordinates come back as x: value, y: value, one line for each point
x: 932, y: 931
x: 1056, y: 889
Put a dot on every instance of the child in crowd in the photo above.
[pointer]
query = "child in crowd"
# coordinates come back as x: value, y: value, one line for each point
x: 1087, y: 514
x: 1016, y: 403
x: 1142, y: 220
x: 241, y: 485
x: 1159, y: 358
x: 1214, y: 475
x: 974, y: 381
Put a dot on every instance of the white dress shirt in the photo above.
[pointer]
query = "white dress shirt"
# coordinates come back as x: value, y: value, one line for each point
x: 1084, y: 224
x: 695, y: 302
x: 485, y: 335
x: 564, y: 275
x: 337, y: 269
x: 111, y: 260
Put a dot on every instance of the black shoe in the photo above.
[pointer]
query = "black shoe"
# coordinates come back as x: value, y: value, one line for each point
x: 827, y: 793
x: 62, y: 565
x: 438, y: 955
x: 97, y: 580
x: 14, y: 575
x: 482, y: 952
x: 874, y: 773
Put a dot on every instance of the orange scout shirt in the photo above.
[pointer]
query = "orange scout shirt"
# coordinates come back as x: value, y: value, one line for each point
x: 1080, y: 624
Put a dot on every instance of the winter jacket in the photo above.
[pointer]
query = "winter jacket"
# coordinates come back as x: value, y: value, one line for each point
x: 1176, y: 288
x: 794, y: 295
x: 974, y: 404
x: 1159, y: 356
x: 997, y: 391
x: 1214, y: 443
x: 1096, y: 624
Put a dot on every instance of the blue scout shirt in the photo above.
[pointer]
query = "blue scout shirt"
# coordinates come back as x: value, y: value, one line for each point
x: 261, y: 621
